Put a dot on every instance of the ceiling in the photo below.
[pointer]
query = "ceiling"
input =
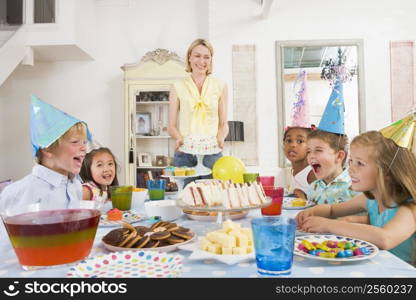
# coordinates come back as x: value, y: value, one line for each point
x: 315, y: 56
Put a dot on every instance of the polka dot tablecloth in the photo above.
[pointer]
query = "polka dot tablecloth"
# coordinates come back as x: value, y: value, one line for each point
x: 384, y: 264
x: 129, y: 264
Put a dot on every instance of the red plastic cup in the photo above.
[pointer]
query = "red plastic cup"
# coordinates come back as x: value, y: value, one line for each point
x: 266, y: 180
x: 275, y: 208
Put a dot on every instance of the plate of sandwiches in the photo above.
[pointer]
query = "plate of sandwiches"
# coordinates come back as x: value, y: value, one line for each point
x: 161, y: 236
x: 213, y: 215
x: 222, y: 196
x: 296, y: 203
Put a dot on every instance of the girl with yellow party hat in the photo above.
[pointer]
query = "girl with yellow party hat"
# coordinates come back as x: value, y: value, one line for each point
x: 385, y: 173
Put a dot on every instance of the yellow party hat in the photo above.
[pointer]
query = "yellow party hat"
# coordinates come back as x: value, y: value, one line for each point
x: 402, y: 132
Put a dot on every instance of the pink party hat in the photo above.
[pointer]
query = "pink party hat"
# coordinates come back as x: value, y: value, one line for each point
x: 301, y: 115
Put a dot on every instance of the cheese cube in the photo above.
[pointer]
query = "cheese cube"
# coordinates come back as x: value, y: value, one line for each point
x: 229, y: 225
x: 235, y: 232
x: 222, y: 239
x: 242, y: 240
x: 249, y: 249
x: 247, y: 232
x: 214, y: 248
x: 239, y: 250
x: 227, y: 250
x: 204, y: 244
x: 250, y: 243
x: 211, y: 235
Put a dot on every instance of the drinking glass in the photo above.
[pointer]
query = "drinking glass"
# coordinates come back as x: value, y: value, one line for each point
x: 266, y: 180
x: 121, y: 197
x: 275, y: 208
x: 274, y: 239
x: 250, y: 177
x: 156, y: 189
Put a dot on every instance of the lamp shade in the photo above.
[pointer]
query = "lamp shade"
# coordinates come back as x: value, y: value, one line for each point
x: 236, y: 131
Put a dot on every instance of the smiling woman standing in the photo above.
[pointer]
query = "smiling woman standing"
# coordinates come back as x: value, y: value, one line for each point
x: 199, y: 103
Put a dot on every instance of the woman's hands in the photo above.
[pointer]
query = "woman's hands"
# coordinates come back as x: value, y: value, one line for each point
x: 220, y: 142
x: 179, y: 142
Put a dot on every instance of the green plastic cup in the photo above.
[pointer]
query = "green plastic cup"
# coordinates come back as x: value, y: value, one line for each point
x: 250, y: 177
x: 121, y: 197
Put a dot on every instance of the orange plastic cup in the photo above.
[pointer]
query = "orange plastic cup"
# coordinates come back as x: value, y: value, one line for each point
x: 275, y: 208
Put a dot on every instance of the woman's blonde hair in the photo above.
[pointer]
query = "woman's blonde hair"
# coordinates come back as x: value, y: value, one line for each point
x: 78, y: 128
x: 195, y: 43
x: 396, y: 168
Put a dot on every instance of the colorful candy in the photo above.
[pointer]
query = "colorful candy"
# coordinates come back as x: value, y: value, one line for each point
x: 308, y: 245
x: 332, y: 249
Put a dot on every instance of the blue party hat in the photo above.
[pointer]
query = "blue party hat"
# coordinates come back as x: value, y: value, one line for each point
x: 47, y: 124
x: 333, y: 118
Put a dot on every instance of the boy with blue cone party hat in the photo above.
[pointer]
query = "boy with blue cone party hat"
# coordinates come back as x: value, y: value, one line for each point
x: 327, y: 150
x: 59, y: 147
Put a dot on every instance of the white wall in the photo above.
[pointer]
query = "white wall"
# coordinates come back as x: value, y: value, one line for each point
x: 92, y: 91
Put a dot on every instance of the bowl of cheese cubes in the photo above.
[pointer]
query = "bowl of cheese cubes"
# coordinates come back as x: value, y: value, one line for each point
x: 231, y: 239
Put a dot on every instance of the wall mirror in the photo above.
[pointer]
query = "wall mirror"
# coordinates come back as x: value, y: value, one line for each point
x: 294, y: 58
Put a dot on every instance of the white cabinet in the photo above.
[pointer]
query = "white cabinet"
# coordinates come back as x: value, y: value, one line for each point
x: 146, y: 106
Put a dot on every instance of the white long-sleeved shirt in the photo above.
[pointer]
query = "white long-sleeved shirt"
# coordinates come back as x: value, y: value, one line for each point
x: 44, y: 187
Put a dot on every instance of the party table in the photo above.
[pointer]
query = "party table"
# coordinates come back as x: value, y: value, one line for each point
x: 384, y: 264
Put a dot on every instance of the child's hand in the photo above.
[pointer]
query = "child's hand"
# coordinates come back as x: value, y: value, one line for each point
x: 316, y: 224
x: 300, y: 217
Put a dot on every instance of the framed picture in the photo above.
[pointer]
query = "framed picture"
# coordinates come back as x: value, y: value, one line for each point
x: 161, y: 161
x: 143, y: 123
x: 144, y: 159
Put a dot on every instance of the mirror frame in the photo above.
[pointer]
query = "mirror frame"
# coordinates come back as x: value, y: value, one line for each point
x: 280, y: 94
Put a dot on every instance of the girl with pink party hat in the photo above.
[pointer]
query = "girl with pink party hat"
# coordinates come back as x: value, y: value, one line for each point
x: 294, y: 142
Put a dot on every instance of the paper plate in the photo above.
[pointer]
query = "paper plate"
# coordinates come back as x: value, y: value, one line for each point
x: 160, y: 249
x: 319, y: 238
x: 233, y: 216
x: 128, y: 264
x: 129, y: 216
x: 198, y: 254
x: 287, y: 203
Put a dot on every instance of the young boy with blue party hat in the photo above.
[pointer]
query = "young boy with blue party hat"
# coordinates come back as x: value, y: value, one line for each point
x: 59, y: 147
x: 327, y: 150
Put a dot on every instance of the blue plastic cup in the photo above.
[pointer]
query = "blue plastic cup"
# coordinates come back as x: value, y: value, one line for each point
x: 156, y: 189
x: 274, y: 239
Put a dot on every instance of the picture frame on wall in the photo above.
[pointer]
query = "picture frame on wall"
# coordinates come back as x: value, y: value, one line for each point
x: 144, y: 159
x: 143, y: 123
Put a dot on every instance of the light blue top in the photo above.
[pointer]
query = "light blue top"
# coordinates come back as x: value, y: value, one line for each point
x: 45, y: 187
x: 405, y: 250
x: 335, y: 192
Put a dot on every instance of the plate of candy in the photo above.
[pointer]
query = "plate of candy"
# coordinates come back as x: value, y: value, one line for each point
x: 334, y: 248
